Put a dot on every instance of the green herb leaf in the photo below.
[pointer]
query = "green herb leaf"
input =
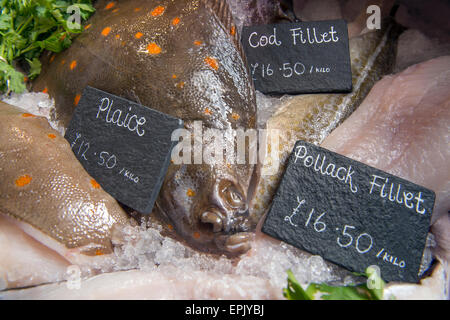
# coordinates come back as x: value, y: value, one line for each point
x: 10, y: 78
x: 35, y: 68
x: 343, y: 293
x: 5, y: 22
x: 29, y: 27
x: 294, y: 290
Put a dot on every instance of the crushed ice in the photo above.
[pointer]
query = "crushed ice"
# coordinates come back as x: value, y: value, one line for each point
x: 146, y: 249
x: 37, y: 103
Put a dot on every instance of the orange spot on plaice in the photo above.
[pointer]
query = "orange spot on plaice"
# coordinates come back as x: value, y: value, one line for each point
x: 95, y: 184
x: 27, y: 115
x: 23, y: 180
x: 87, y: 26
x: 159, y: 10
x: 73, y: 64
x: 138, y: 35
x: 170, y: 226
x: 51, y: 136
x: 175, y: 21
x: 190, y: 193
x: 76, y: 99
x: 196, y: 235
x: 198, y: 42
x: 98, y: 252
x: 45, y: 90
x: 153, y: 48
x: 115, y: 10
x: 117, y: 36
x: 63, y: 61
x: 208, y: 111
x: 110, y: 5
x: 212, y: 62
x: 137, y: 9
x: 106, y: 31
x: 233, y: 30
x: 174, y: 76
x: 52, y: 58
x: 235, y: 116
x: 123, y: 43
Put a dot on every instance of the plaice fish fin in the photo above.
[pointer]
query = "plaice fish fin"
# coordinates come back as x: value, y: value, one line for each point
x: 223, y: 12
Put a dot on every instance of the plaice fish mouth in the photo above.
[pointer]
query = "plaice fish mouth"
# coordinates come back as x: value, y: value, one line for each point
x: 226, y: 235
x: 206, y: 206
x: 215, y: 232
x: 235, y: 244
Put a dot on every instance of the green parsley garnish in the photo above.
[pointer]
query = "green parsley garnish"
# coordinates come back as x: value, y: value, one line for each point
x: 28, y: 27
x: 294, y: 290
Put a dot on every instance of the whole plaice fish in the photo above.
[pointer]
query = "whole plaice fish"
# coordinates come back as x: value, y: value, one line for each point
x: 46, y: 191
x: 311, y: 117
x: 182, y: 58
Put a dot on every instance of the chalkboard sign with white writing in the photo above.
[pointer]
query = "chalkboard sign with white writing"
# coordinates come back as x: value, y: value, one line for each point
x: 124, y: 146
x: 303, y: 57
x: 351, y: 214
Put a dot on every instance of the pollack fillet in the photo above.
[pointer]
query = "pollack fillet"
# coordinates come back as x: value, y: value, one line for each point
x: 311, y: 117
x: 182, y: 58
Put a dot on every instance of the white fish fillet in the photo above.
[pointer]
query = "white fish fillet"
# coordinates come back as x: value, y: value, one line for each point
x: 251, y: 279
x: 24, y: 261
x: 168, y: 284
x: 403, y: 127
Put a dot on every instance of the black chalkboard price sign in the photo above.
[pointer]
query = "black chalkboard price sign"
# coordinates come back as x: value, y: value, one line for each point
x: 351, y: 214
x: 124, y: 146
x: 303, y: 57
